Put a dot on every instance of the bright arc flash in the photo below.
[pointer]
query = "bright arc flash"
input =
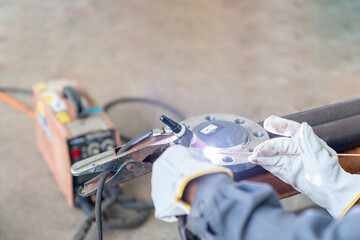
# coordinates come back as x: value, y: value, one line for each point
x: 212, y: 154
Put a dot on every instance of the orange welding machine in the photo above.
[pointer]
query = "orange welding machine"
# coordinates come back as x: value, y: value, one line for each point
x: 70, y: 127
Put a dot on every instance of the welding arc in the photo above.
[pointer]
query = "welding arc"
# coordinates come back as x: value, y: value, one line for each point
x: 283, y: 153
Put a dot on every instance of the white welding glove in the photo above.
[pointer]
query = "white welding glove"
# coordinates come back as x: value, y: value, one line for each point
x: 314, y: 172
x: 171, y: 172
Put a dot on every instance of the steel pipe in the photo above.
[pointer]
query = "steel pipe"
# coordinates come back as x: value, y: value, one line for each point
x: 342, y: 134
x: 327, y: 113
x: 337, y: 124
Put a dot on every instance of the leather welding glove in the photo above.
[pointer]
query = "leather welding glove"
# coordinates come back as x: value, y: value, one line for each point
x: 314, y: 172
x: 171, y: 172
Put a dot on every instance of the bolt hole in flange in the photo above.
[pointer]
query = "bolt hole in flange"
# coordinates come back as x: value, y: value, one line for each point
x: 228, y: 159
x: 239, y: 121
x: 258, y: 134
x: 210, y: 118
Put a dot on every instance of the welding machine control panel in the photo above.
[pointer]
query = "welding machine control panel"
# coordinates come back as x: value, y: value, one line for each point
x: 91, y: 144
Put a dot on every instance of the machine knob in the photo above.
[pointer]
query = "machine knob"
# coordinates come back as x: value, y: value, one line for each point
x: 107, y: 144
x: 93, y: 148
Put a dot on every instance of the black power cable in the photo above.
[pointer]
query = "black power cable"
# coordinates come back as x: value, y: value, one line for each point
x: 165, y: 106
x: 111, y: 197
x: 102, y: 180
x: 16, y: 90
x: 98, y: 204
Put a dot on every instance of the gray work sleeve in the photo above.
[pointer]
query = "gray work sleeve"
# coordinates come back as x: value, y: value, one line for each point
x: 223, y: 210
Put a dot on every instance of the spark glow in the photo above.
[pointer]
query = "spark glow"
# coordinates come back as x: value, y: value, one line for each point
x: 212, y: 154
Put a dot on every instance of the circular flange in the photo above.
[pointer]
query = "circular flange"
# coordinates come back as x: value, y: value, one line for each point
x: 225, y: 136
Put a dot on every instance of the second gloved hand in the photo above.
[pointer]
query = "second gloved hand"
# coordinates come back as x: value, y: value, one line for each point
x: 314, y: 172
x: 171, y: 173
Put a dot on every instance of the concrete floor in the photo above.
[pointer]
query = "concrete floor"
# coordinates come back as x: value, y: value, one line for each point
x: 250, y: 58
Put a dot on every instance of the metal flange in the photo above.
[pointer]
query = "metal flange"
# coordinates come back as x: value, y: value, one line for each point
x: 225, y: 136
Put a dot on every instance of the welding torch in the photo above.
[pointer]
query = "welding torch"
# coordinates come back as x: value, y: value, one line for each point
x: 186, y: 137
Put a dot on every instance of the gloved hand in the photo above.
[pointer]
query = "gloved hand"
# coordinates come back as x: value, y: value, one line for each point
x: 314, y: 172
x: 172, y: 171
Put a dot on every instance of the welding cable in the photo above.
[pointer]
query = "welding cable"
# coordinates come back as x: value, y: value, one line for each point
x: 127, y: 203
x: 112, y: 196
x: 16, y: 90
x: 163, y: 105
x: 6, y: 98
x: 98, y: 215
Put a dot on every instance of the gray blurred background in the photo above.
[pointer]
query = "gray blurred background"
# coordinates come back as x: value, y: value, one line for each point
x: 250, y: 58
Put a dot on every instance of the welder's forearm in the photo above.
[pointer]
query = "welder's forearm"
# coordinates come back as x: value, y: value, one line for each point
x: 190, y: 189
x: 224, y: 210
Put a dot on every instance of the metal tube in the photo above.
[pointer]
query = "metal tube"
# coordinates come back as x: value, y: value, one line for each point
x: 336, y: 124
x: 342, y: 134
x: 327, y: 113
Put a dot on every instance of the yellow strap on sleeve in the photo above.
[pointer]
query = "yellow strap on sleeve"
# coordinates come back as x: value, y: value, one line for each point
x: 187, y: 180
x: 349, y: 206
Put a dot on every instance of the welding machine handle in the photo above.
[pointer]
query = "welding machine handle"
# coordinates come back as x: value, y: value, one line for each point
x: 71, y: 94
